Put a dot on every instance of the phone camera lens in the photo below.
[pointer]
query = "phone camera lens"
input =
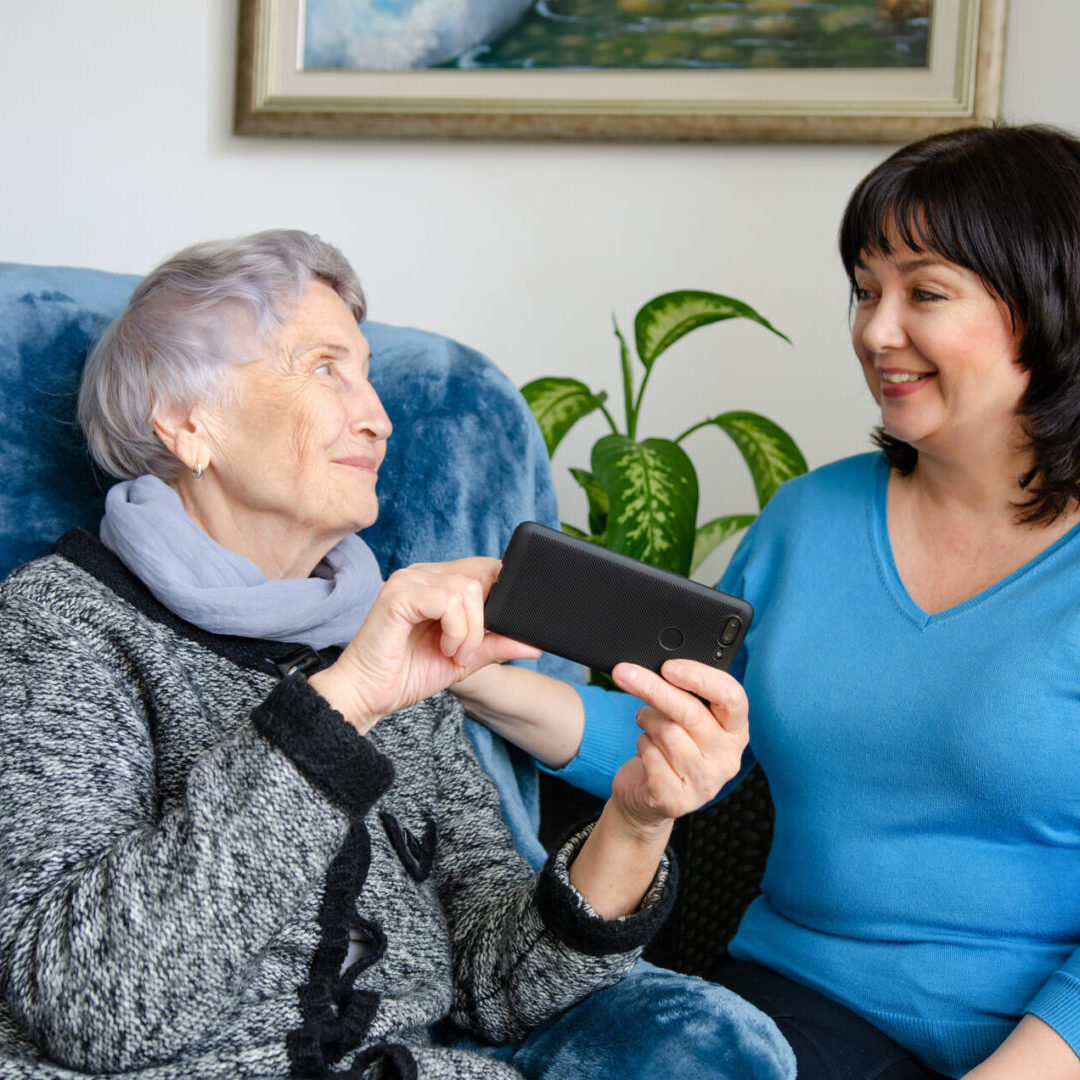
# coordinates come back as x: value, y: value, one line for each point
x: 730, y: 631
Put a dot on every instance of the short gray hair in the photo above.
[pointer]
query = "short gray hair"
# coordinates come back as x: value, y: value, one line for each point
x: 201, y: 312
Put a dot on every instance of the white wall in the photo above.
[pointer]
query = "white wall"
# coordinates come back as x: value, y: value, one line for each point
x: 117, y: 151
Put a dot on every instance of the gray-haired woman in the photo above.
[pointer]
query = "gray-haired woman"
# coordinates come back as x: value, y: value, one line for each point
x: 223, y: 853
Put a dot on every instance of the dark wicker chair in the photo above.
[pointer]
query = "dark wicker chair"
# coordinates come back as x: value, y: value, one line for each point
x: 721, y: 852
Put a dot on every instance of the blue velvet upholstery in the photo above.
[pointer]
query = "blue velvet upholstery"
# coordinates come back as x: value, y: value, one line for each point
x: 48, y: 317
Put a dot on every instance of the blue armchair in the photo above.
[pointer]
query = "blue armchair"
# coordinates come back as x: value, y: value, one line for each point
x: 466, y: 462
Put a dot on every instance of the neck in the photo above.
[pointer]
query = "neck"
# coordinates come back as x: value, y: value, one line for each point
x: 278, y: 548
x: 968, y: 492
x: 983, y: 481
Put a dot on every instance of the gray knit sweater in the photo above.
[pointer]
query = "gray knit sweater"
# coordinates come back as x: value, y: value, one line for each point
x: 189, y: 842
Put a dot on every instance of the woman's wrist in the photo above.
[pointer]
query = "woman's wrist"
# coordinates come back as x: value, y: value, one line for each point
x: 634, y: 831
x: 340, y: 694
x: 618, y: 862
x: 542, y: 715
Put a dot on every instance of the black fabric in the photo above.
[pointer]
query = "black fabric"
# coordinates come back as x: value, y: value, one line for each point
x: 341, y: 763
x: 389, y: 1061
x: 416, y: 855
x: 830, y: 1041
x: 336, y: 1015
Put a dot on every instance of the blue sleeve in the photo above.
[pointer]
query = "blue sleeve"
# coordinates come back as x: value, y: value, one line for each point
x: 1058, y: 1002
x: 610, y: 739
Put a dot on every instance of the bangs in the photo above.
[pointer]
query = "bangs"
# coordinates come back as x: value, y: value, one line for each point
x: 881, y: 215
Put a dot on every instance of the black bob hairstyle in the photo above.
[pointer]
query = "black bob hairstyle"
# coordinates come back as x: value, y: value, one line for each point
x: 1003, y: 202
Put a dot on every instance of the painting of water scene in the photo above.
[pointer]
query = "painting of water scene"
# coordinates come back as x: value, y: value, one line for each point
x: 379, y: 35
x: 641, y: 70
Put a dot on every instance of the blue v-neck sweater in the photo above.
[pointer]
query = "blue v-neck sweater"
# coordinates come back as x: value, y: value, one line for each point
x: 925, y: 867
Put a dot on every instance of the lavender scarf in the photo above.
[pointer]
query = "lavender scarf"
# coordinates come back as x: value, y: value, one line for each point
x: 146, y: 527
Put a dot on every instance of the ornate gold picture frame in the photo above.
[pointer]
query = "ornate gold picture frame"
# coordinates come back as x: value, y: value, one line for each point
x: 960, y: 84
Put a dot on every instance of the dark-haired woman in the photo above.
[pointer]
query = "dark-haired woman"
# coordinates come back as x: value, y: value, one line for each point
x: 913, y: 669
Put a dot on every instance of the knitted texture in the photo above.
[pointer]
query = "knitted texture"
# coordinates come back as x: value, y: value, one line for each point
x: 186, y: 891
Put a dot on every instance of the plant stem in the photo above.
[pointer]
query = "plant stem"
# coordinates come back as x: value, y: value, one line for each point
x: 610, y: 420
x: 691, y: 430
x: 640, y: 395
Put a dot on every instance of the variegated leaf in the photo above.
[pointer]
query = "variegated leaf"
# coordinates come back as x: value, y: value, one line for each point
x: 652, y: 490
x: 665, y: 319
x: 770, y: 452
x: 558, y: 404
x: 713, y: 533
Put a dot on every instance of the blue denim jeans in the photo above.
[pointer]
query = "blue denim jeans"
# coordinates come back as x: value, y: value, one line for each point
x: 655, y: 1023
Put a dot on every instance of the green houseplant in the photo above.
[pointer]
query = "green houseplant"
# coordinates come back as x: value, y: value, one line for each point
x: 643, y: 494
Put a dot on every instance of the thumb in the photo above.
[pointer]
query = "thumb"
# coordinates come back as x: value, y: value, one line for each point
x: 496, y: 649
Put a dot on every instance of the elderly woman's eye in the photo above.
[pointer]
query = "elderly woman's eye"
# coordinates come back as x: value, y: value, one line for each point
x: 325, y: 368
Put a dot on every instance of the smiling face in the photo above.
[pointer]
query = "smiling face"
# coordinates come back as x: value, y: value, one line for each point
x: 295, y: 444
x: 938, y: 352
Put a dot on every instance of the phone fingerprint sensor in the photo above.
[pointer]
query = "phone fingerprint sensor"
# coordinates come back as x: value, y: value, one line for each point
x: 671, y: 637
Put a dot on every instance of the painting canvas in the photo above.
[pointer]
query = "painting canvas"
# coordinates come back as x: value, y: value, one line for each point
x: 634, y: 69
x: 374, y: 35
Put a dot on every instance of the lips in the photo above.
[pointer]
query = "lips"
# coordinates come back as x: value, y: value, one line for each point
x: 368, y: 463
x: 897, y: 383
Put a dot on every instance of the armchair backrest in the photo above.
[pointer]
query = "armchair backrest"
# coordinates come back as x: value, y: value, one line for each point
x: 465, y: 464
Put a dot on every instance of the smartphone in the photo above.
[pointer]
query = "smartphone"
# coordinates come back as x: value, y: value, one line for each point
x: 598, y: 608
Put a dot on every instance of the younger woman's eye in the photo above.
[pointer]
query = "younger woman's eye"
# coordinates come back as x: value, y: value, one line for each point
x: 861, y: 294
x: 927, y: 294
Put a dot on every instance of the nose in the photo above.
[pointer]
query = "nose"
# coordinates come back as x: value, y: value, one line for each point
x: 368, y: 414
x: 880, y: 326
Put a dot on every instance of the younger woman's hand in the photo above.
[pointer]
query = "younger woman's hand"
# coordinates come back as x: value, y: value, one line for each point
x: 689, y: 747
x: 424, y: 632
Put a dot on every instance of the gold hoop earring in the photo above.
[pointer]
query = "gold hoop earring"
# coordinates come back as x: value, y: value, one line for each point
x: 196, y: 472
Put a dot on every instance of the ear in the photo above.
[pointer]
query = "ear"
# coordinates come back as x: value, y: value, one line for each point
x: 182, y: 431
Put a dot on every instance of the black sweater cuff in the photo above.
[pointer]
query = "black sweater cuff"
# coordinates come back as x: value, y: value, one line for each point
x: 329, y: 752
x: 565, y: 911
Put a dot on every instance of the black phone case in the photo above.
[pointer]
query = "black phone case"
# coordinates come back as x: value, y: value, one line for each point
x: 597, y: 608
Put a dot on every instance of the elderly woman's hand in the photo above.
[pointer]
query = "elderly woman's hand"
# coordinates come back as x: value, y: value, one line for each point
x: 694, y: 731
x: 424, y: 632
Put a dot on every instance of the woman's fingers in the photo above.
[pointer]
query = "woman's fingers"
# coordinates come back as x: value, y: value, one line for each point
x: 689, y: 747
x: 689, y: 692
x: 496, y: 649
x: 451, y: 594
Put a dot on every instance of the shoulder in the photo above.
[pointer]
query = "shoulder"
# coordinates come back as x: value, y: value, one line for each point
x: 848, y: 482
x: 57, y: 585
x: 812, y: 516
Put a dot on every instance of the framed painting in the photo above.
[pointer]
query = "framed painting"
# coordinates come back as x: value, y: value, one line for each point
x: 798, y: 70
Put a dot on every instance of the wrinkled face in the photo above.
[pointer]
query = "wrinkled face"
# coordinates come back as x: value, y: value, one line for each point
x: 300, y: 433
x: 938, y: 351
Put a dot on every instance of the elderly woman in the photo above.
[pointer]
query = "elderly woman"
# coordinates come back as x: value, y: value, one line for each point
x: 913, y: 669
x: 242, y: 833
